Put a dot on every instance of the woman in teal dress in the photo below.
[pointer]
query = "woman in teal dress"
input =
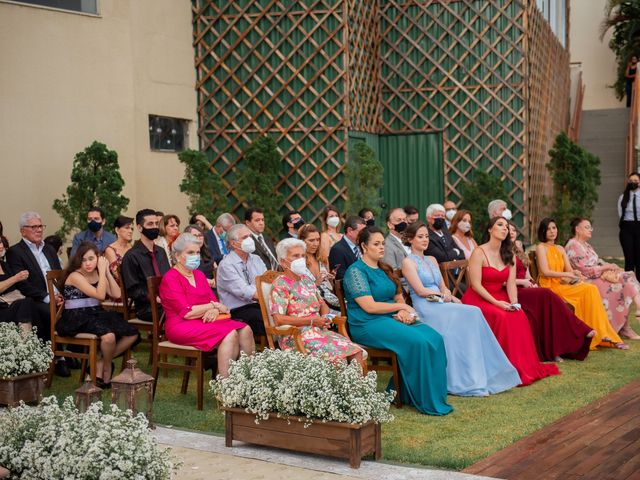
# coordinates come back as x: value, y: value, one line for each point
x: 379, y: 318
x: 476, y: 364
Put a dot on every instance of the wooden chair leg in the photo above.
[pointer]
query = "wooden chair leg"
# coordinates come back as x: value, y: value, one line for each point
x: 52, y: 366
x: 200, y: 373
x: 93, y: 358
x: 165, y: 371
x: 185, y: 377
x: 396, y: 380
x: 83, y: 369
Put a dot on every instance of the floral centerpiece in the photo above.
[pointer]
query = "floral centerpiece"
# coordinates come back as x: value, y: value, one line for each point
x: 303, y: 403
x: 52, y: 441
x: 289, y: 383
x: 22, y: 352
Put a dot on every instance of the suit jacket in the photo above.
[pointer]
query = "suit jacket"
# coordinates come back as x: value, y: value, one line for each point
x: 394, y: 252
x: 214, y: 247
x: 342, y: 255
x: 20, y: 257
x: 444, y: 249
x: 262, y: 253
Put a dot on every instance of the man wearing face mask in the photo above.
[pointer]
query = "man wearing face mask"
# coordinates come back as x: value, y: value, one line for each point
x: 450, y: 211
x: 215, y: 236
x: 413, y: 215
x: 629, y: 213
x: 291, y: 223
x: 498, y: 208
x: 144, y: 259
x: 236, y: 278
x: 95, y: 232
x: 441, y: 245
x: 367, y: 216
x: 394, y: 250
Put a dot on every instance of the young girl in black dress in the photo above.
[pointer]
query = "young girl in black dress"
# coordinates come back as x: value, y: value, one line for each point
x: 88, y: 282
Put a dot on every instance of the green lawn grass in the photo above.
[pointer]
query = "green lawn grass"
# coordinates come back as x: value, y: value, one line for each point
x: 476, y: 428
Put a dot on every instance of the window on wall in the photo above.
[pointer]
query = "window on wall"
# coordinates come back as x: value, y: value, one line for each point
x: 84, y: 6
x: 167, y: 134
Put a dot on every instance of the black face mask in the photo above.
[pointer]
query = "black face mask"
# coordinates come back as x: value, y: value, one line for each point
x: 439, y: 223
x: 400, y: 227
x: 632, y: 185
x: 151, y: 233
x: 371, y: 222
x: 94, y: 226
x: 298, y: 224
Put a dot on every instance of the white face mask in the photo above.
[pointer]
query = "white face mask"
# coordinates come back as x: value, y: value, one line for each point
x: 299, y: 266
x: 248, y: 245
x: 450, y: 213
x: 464, y: 226
x: 333, y: 222
x: 507, y: 214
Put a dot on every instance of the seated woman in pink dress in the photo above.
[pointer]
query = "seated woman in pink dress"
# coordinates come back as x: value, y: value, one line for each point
x: 618, y: 289
x: 194, y: 316
x: 295, y: 300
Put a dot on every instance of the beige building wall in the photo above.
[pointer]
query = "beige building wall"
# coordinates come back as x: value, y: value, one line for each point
x: 598, y: 61
x: 67, y: 79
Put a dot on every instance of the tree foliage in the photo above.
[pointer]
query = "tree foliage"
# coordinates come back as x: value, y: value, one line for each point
x: 476, y: 195
x: 623, y: 17
x: 95, y: 181
x: 363, y: 179
x: 576, y: 175
x: 257, y: 177
x: 202, y: 184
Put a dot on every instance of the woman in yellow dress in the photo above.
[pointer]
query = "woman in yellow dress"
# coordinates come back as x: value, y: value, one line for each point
x: 556, y: 274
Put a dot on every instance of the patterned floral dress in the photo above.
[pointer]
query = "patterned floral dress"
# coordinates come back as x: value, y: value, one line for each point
x: 299, y: 298
x: 617, y: 297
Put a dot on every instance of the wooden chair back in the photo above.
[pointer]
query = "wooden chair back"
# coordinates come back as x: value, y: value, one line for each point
x: 264, y: 285
x: 55, y: 283
x: 153, y: 286
x: 533, y: 266
x: 455, y: 275
x: 338, y: 290
x: 128, y: 310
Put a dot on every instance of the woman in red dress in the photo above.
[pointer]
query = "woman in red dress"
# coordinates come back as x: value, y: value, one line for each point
x: 490, y: 266
x: 556, y: 330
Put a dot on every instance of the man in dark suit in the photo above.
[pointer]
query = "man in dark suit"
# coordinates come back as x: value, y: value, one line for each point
x: 291, y: 223
x: 37, y: 258
x: 215, y: 236
x: 346, y: 252
x: 254, y: 219
x: 441, y: 244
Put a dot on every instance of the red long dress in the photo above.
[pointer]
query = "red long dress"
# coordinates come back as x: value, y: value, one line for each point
x: 556, y: 330
x: 511, y: 329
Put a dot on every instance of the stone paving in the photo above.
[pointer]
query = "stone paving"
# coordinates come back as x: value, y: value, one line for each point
x: 206, y: 457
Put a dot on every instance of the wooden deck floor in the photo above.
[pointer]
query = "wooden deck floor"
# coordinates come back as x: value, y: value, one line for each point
x: 600, y: 441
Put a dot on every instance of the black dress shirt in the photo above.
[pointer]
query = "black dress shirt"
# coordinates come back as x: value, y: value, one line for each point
x: 136, y: 267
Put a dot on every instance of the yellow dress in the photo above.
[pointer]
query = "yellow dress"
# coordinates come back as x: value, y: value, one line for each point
x: 584, y: 297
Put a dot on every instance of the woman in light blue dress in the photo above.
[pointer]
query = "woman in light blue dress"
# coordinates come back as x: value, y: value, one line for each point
x: 476, y: 364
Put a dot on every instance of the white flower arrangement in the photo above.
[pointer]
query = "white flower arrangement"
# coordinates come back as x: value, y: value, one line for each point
x: 22, y: 352
x: 59, y: 442
x: 289, y: 383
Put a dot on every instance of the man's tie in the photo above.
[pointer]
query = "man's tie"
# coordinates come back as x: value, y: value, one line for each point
x: 272, y: 259
x: 635, y: 208
x: 356, y: 252
x: 223, y: 247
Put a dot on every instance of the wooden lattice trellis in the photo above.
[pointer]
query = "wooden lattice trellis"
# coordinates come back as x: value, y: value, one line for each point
x: 489, y: 73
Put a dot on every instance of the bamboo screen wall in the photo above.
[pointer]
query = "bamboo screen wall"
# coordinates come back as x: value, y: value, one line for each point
x: 490, y: 74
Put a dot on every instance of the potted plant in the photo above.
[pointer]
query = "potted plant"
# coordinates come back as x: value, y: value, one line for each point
x: 285, y: 399
x: 53, y: 441
x: 24, y: 360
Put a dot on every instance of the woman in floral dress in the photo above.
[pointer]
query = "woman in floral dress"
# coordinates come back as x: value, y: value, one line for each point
x: 295, y: 301
x: 618, y: 289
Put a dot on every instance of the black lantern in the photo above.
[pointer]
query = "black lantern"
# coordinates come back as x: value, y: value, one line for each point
x: 87, y: 394
x: 133, y: 390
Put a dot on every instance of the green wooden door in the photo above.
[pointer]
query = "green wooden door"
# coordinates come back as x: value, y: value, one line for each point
x: 413, y: 169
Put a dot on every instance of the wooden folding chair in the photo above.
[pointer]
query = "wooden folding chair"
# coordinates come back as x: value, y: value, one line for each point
x: 88, y: 341
x: 379, y: 359
x: 163, y: 350
x: 405, y: 291
x: 455, y: 275
x: 128, y: 312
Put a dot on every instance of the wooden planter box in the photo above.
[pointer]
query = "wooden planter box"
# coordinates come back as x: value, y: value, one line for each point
x: 341, y: 440
x: 27, y: 388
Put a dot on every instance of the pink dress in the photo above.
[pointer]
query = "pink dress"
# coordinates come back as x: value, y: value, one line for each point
x: 461, y: 246
x: 617, y: 297
x: 177, y: 296
x: 301, y: 299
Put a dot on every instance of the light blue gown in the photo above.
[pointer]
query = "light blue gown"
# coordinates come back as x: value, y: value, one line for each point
x: 476, y: 364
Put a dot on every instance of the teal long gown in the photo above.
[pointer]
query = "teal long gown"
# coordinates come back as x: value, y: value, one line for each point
x: 422, y: 359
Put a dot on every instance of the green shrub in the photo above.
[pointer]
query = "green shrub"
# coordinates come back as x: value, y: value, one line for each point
x: 202, y: 184
x: 476, y: 195
x: 363, y: 179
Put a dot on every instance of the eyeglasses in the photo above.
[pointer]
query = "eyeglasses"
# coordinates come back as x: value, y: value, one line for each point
x: 35, y: 227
